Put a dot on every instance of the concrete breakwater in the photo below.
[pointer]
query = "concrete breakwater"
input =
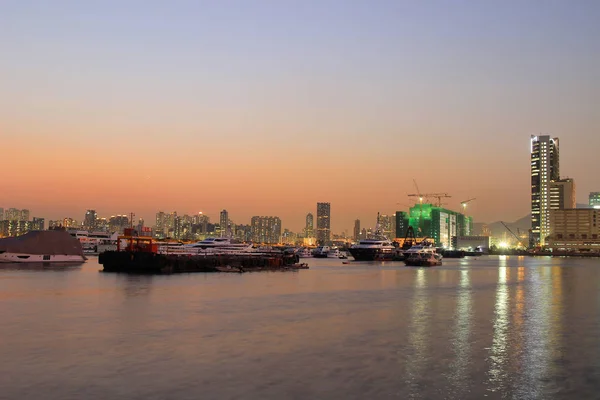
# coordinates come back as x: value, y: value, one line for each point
x: 154, y: 263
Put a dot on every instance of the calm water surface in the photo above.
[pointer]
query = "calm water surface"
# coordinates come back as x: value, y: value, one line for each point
x: 497, y: 327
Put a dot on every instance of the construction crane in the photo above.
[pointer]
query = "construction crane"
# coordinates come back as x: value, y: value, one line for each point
x: 422, y: 196
x: 428, y: 196
x: 464, y: 203
x: 512, y: 233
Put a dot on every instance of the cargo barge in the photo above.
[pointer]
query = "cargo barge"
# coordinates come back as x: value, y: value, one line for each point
x: 138, y: 254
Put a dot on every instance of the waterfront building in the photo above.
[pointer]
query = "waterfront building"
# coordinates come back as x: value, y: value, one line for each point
x: 387, y: 225
x: 575, y: 229
x: 243, y: 233
x: 266, y: 229
x: 436, y: 223
x: 24, y: 215
x: 14, y: 228
x: 224, y: 223
x: 288, y: 237
x: 118, y: 223
x: 356, y: 235
x: 70, y: 223
x: 89, y: 220
x: 38, y: 224
x: 544, y: 170
x: 595, y: 199
x: 401, y: 223
x: 309, y: 229
x: 562, y: 194
x: 323, y: 223
x: 12, y: 214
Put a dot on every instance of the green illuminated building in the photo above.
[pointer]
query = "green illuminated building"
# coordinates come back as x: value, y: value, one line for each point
x: 436, y: 223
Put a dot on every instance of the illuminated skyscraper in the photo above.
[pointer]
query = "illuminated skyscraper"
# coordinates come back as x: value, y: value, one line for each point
x: 309, y: 230
x: 323, y: 223
x: 224, y: 223
x: 265, y: 229
x: 544, y: 169
x: 1, y: 214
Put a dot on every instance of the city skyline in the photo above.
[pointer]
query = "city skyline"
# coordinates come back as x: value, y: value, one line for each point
x: 101, y: 110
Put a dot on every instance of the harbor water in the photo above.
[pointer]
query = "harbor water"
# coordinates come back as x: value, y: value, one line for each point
x: 490, y: 327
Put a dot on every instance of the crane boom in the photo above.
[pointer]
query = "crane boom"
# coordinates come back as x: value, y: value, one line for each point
x: 512, y: 233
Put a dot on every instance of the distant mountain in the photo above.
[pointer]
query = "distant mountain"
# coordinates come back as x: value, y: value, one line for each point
x: 519, y: 227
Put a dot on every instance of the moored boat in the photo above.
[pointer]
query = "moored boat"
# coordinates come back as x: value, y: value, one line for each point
x: 41, y: 247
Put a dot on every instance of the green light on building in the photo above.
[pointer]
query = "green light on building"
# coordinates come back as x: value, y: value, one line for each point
x: 436, y: 223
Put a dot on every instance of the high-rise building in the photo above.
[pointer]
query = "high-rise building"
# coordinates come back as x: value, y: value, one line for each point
x: 309, y: 230
x: 1, y: 214
x: 12, y: 214
x: 323, y: 223
x: 356, y: 234
x: 562, y: 194
x: 38, y: 224
x: 24, y: 215
x: 89, y: 221
x: 224, y: 223
x: 575, y: 229
x: 544, y: 169
x: 160, y: 224
x: 387, y: 225
x: 266, y: 229
x: 436, y: 223
x: 594, y: 200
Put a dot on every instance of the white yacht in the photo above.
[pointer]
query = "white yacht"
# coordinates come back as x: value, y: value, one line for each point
x: 304, y: 252
x: 375, y: 248
x: 41, y: 247
x: 218, y: 243
x: 421, y: 248
x: 206, y: 246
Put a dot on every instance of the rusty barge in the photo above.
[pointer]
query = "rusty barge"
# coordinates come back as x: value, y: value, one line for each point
x: 140, y: 254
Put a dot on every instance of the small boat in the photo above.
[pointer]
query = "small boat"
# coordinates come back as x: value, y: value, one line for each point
x: 424, y: 259
x: 304, y: 252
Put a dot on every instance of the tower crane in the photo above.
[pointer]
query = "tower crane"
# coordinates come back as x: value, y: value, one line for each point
x: 437, y: 196
x: 464, y: 203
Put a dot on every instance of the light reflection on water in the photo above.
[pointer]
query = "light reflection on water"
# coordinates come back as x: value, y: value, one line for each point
x: 497, y: 327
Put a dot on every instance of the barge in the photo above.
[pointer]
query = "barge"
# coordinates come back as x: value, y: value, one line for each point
x: 141, y: 255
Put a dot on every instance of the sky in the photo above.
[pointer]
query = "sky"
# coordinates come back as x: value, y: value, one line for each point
x: 268, y: 107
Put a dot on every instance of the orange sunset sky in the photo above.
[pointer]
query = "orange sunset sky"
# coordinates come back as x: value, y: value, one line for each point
x: 266, y: 110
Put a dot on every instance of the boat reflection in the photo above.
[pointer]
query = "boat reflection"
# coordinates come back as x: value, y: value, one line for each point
x: 41, y: 266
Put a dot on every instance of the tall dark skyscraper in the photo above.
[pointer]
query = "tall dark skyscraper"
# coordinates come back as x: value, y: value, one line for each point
x: 356, y: 235
x: 309, y: 229
x: 544, y: 170
x: 323, y: 223
x: 224, y: 222
x: 89, y: 221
